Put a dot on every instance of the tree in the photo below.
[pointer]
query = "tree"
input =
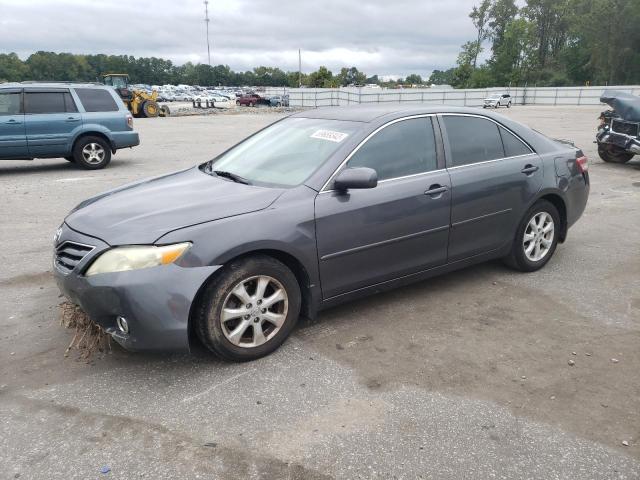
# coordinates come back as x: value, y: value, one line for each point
x: 322, y: 78
x: 479, y: 16
x: 501, y: 14
x: 413, y: 79
x: 440, y: 77
x: 351, y: 76
x: 12, y: 69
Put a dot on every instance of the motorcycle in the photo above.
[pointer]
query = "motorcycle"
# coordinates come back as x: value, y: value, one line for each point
x: 618, y: 136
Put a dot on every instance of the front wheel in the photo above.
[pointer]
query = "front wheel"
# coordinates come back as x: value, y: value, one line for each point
x: 92, y: 153
x: 611, y: 154
x: 536, y: 238
x: 509, y: 105
x: 249, y: 310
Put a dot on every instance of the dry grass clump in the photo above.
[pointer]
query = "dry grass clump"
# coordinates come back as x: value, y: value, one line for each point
x: 89, y: 338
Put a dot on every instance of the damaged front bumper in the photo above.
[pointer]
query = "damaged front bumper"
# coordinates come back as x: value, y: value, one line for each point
x: 156, y: 302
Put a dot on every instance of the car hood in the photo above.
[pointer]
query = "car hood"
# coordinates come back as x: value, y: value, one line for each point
x: 144, y: 211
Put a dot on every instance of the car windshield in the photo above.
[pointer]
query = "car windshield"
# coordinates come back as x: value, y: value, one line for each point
x: 284, y: 154
x: 494, y: 97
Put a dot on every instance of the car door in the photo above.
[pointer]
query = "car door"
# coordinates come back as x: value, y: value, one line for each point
x: 399, y: 227
x: 51, y: 117
x: 494, y: 176
x: 13, y: 140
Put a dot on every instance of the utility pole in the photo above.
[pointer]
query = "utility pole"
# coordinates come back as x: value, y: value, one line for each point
x: 206, y: 21
x: 299, y: 69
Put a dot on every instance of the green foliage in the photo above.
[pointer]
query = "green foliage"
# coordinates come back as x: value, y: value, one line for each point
x: 551, y: 43
x: 414, y: 79
x: 50, y: 66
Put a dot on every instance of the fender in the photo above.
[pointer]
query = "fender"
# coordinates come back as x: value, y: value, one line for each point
x: 89, y: 128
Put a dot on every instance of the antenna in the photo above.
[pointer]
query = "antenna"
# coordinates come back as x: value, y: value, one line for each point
x: 206, y: 21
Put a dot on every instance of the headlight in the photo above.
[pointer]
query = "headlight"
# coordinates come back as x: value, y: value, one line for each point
x: 121, y: 259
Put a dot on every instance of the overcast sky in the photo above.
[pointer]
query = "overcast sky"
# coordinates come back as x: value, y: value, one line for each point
x: 377, y: 36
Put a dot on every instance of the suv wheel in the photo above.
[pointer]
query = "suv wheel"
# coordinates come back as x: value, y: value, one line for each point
x: 536, y: 238
x: 509, y: 105
x: 92, y: 153
x: 249, y: 310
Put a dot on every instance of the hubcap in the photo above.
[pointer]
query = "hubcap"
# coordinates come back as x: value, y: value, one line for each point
x: 254, y: 311
x: 538, y: 236
x: 93, y: 153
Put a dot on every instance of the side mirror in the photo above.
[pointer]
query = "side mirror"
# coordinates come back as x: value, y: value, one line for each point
x: 359, y: 177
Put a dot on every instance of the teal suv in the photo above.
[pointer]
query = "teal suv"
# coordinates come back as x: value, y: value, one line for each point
x: 83, y: 123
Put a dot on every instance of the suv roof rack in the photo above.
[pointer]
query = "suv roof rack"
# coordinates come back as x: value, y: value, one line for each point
x: 64, y: 82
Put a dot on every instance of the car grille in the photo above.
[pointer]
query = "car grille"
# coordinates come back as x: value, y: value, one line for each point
x: 626, y: 128
x: 70, y: 254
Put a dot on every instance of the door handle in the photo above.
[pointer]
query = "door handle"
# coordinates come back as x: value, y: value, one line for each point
x: 13, y: 122
x: 72, y: 119
x: 435, y: 190
x: 529, y: 169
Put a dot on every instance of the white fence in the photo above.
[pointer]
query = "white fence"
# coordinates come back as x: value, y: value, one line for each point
x: 326, y: 97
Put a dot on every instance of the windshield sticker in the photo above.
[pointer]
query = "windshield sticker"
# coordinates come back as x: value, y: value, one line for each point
x: 330, y: 135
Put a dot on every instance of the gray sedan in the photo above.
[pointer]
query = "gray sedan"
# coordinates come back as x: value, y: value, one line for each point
x: 319, y: 208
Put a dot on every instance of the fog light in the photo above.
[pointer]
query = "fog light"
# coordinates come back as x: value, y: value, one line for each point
x: 123, y: 325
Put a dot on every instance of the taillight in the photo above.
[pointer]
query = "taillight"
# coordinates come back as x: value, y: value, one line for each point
x: 130, y: 121
x: 582, y: 163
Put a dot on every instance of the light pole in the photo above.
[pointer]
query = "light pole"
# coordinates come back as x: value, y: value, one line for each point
x: 206, y: 21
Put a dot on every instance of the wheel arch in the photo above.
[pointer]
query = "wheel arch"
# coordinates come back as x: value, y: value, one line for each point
x: 557, y: 201
x: 308, y: 307
x: 94, y: 133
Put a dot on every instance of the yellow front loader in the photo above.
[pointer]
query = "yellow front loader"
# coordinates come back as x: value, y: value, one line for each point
x: 139, y: 102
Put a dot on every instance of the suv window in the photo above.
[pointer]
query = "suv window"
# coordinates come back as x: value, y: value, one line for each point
x: 472, y: 140
x: 96, y: 100
x: 48, y: 102
x: 9, y: 103
x: 403, y: 148
x: 513, y: 146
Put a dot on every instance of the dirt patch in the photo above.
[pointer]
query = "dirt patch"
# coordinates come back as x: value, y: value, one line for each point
x: 27, y: 280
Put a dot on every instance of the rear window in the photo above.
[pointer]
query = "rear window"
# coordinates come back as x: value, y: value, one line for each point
x: 48, y: 102
x: 97, y: 100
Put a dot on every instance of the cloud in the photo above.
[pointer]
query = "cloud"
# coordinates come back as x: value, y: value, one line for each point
x: 382, y: 37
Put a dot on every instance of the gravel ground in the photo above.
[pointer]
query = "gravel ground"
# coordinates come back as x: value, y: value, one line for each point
x: 462, y: 376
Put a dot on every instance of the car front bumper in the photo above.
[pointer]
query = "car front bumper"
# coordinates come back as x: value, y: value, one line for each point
x: 156, y: 302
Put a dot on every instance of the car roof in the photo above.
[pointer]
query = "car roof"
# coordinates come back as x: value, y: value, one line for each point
x: 52, y: 85
x: 369, y: 113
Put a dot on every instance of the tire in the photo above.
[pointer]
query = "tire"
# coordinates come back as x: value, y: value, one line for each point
x: 238, y: 103
x: 217, y: 335
x: 611, y: 154
x: 518, y: 258
x: 92, y: 153
x: 70, y: 159
x: 509, y: 105
x: 150, y: 109
x: 164, y: 111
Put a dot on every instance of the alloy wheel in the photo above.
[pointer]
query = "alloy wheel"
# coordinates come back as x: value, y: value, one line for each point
x: 538, y: 236
x: 254, y: 311
x: 93, y: 153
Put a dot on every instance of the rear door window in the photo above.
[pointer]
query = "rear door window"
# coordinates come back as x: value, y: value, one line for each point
x: 44, y: 102
x: 97, y: 100
x: 513, y: 146
x: 472, y: 139
x: 403, y: 148
x: 9, y: 103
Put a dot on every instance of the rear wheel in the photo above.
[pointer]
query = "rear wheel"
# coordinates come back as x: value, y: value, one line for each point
x: 150, y: 108
x: 238, y: 103
x: 91, y: 153
x: 613, y: 154
x: 536, y: 238
x: 509, y: 105
x: 164, y: 111
x: 249, y: 310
